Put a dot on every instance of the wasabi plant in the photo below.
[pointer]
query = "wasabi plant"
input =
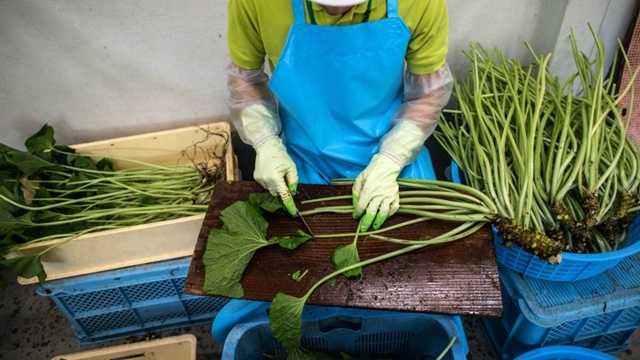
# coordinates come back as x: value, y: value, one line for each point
x: 50, y: 192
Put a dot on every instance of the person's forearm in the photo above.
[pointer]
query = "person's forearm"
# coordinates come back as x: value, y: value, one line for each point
x: 247, y: 85
x: 424, y: 98
x: 417, y: 117
x: 252, y: 106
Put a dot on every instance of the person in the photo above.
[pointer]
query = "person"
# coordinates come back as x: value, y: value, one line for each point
x: 339, y: 103
x: 357, y: 87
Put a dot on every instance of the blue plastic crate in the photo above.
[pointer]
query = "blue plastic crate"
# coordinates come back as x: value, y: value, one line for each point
x: 373, y: 333
x: 572, y: 267
x: 601, y: 312
x: 131, y: 301
x: 565, y: 353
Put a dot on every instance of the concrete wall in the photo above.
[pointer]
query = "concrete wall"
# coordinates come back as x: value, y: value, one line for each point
x: 98, y: 69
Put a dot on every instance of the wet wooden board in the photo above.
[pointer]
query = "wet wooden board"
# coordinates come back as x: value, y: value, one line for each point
x: 456, y: 278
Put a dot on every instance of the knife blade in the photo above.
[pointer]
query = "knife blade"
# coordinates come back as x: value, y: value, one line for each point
x: 302, y: 217
x: 306, y: 225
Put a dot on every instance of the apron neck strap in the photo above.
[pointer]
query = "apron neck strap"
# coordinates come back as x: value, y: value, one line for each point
x: 299, y: 18
x: 392, y: 9
x: 298, y: 11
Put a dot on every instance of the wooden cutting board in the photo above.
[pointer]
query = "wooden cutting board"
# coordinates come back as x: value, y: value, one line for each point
x: 457, y: 278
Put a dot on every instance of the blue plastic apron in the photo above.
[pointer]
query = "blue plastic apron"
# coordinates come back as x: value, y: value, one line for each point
x: 337, y: 87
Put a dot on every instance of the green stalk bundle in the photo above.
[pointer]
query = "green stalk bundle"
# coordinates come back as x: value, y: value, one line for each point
x: 554, y: 157
x: 51, y: 192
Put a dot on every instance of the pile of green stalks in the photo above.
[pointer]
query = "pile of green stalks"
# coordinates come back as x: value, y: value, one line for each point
x: 51, y: 192
x: 553, y: 156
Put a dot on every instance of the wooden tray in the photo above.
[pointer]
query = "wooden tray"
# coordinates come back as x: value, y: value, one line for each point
x: 140, y: 244
x: 457, y: 278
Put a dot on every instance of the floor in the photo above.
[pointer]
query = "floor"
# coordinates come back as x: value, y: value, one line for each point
x: 32, y: 327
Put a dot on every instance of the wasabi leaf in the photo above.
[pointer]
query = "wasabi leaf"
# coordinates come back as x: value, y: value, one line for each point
x: 225, y: 260
x: 105, y: 164
x: 81, y: 162
x: 29, y: 164
x: 8, y: 222
x: 26, y: 267
x: 10, y: 195
x: 266, y: 201
x: 285, y: 316
x: 304, y: 354
x: 9, y: 176
x: 60, y: 154
x: 242, y: 217
x: 11, y: 238
x: 230, y: 249
x: 298, y: 275
x: 292, y: 242
x: 347, y: 255
x: 42, y: 140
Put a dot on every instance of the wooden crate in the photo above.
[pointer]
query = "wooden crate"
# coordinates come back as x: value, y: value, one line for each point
x: 181, y: 347
x: 140, y: 244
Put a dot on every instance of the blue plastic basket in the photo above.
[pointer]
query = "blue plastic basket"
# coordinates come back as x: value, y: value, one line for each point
x: 377, y: 334
x: 572, y: 267
x: 600, y: 313
x: 565, y: 353
x: 137, y: 300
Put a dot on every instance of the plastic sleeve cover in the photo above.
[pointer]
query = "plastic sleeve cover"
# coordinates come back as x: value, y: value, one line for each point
x: 417, y: 117
x: 424, y: 98
x: 252, y: 106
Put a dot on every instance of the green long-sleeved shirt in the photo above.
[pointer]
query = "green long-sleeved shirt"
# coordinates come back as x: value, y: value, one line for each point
x: 259, y: 28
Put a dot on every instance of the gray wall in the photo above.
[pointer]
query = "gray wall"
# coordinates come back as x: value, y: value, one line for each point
x: 98, y: 69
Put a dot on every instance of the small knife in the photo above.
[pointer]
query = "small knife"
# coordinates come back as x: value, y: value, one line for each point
x: 306, y: 225
x: 300, y: 215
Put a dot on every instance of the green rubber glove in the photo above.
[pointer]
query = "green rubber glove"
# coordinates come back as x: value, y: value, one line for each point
x: 376, y: 192
x: 276, y: 172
